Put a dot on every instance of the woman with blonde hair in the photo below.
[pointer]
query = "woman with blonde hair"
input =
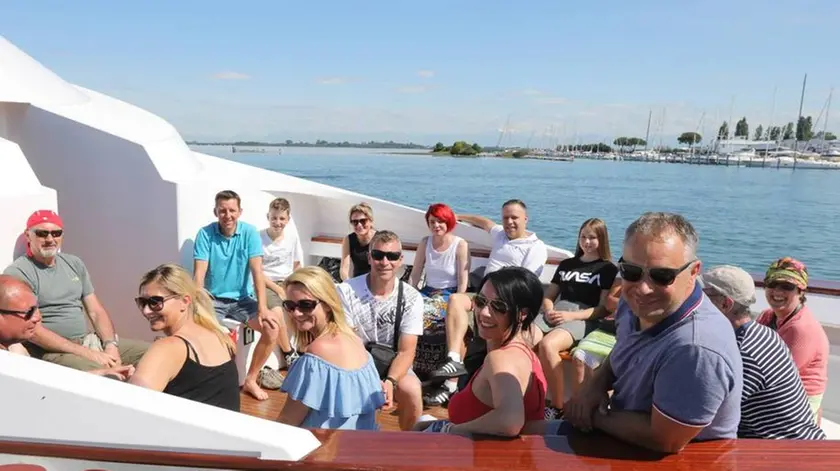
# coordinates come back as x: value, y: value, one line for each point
x: 195, y: 359
x: 354, y: 247
x: 334, y: 384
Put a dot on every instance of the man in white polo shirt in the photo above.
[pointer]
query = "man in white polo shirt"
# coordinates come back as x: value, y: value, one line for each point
x: 513, y: 246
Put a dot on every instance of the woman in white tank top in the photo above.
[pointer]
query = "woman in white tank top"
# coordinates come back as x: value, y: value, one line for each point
x: 443, y: 256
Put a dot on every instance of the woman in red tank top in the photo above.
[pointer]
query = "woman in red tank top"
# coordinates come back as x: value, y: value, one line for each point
x: 508, y: 390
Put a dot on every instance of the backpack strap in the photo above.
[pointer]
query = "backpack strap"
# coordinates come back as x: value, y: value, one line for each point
x: 399, y: 315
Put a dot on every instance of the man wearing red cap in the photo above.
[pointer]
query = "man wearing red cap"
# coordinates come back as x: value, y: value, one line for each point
x: 65, y: 295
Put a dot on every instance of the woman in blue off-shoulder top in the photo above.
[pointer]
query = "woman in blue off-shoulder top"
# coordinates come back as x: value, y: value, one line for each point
x: 334, y: 384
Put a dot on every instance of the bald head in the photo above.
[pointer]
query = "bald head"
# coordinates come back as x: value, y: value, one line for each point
x: 11, y: 288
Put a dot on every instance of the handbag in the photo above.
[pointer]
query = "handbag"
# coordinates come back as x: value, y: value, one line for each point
x: 383, y: 355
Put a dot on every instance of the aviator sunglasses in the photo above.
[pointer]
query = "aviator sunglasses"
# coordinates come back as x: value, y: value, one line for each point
x: 497, y: 305
x: 660, y: 276
x: 155, y: 303
x: 380, y: 254
x: 362, y: 221
x: 25, y: 315
x: 305, y: 306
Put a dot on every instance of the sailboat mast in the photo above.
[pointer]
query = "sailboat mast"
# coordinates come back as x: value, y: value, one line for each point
x: 647, y: 133
x: 801, y: 101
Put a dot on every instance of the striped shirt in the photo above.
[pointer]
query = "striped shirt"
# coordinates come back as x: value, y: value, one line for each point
x: 773, y: 403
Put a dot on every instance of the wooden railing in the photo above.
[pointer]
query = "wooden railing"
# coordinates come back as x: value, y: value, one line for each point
x: 419, y: 451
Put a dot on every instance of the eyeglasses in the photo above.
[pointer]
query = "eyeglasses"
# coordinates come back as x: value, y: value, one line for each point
x: 43, y: 233
x: 380, y: 254
x: 305, y: 306
x: 782, y: 285
x: 497, y: 305
x: 25, y: 315
x: 155, y: 303
x: 362, y: 221
x: 661, y: 276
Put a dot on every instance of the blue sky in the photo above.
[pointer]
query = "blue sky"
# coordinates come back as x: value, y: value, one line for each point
x: 440, y: 69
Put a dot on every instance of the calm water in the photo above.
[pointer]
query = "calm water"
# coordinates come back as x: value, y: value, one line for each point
x: 745, y: 216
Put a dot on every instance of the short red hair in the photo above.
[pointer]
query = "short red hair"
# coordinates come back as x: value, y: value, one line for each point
x: 444, y: 213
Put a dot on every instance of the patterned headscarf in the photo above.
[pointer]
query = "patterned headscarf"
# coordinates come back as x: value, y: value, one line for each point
x: 787, y: 269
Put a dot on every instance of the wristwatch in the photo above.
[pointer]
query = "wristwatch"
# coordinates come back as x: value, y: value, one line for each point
x: 115, y: 342
x: 392, y: 381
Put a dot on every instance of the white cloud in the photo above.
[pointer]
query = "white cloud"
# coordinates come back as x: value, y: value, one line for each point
x: 532, y: 92
x: 229, y: 75
x: 413, y: 89
x: 332, y: 80
x: 551, y: 100
x: 426, y: 73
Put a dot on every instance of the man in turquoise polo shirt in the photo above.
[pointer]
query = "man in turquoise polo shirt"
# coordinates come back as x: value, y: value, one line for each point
x: 228, y: 263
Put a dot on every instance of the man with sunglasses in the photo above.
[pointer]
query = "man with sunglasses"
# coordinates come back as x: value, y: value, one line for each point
x: 19, y: 315
x: 66, y: 298
x: 372, y: 303
x: 675, y: 371
x: 774, y: 404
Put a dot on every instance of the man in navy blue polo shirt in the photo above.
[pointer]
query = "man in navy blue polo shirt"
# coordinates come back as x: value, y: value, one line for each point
x: 228, y: 263
x: 675, y: 371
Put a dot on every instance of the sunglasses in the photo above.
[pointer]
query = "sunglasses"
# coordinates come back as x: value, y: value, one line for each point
x: 496, y: 305
x: 305, y: 306
x: 155, y: 303
x: 661, y: 276
x: 25, y: 315
x: 782, y: 285
x: 362, y: 221
x: 380, y: 254
x: 43, y: 233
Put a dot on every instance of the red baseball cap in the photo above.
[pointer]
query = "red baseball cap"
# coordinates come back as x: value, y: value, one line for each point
x: 42, y: 216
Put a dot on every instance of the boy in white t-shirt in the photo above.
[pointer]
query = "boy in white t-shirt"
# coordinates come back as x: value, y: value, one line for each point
x: 282, y: 254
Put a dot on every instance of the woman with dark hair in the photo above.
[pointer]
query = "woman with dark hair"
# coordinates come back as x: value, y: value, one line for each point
x: 508, y: 390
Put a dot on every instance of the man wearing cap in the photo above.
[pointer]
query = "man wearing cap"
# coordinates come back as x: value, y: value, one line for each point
x: 773, y: 402
x: 65, y: 296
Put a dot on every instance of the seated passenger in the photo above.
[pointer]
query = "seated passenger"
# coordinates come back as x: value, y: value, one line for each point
x: 228, y: 264
x: 508, y: 390
x: 20, y: 317
x: 784, y: 286
x: 334, y: 384
x: 581, y: 286
x: 354, y: 247
x: 773, y: 404
x: 67, y: 300
x: 675, y: 371
x: 282, y: 254
x: 443, y: 257
x: 513, y: 246
x: 195, y: 359
x: 388, y: 316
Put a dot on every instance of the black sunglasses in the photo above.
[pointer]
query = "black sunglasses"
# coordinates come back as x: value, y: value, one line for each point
x: 660, y: 276
x: 380, y: 254
x: 362, y: 221
x: 496, y: 305
x: 43, y: 233
x: 782, y: 285
x: 305, y: 306
x: 25, y: 315
x: 155, y: 303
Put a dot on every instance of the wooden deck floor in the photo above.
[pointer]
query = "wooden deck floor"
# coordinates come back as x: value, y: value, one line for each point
x: 270, y: 410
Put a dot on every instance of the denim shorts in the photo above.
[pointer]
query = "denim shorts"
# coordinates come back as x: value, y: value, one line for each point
x: 241, y: 310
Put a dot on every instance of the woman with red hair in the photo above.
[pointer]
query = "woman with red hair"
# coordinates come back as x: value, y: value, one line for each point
x: 443, y: 256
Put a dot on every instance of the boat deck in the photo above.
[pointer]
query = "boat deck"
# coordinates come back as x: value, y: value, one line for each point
x: 271, y: 407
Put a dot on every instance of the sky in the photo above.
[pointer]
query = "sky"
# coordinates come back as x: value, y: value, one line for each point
x: 442, y: 70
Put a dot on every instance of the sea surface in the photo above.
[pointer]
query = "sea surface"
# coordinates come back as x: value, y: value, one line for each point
x: 745, y: 216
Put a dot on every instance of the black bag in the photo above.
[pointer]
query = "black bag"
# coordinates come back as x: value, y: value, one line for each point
x: 383, y: 355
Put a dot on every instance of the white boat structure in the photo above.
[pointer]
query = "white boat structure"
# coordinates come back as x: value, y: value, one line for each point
x: 133, y: 195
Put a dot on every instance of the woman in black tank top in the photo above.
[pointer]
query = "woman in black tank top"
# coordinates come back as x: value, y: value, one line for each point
x: 354, y: 247
x: 174, y: 305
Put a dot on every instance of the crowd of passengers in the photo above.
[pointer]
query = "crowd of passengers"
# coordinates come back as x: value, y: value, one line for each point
x: 659, y: 354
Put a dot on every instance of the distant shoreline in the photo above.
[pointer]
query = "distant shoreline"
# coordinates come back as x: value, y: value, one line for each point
x: 328, y: 145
